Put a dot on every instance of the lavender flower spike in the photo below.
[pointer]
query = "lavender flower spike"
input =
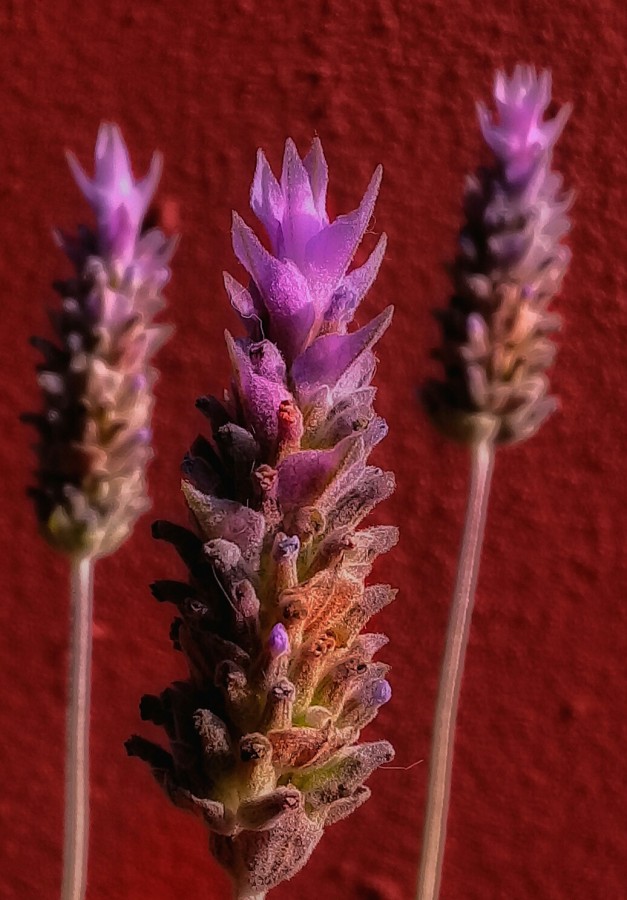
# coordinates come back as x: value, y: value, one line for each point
x: 264, y: 733
x: 94, y: 432
x: 495, y: 352
x: 511, y: 261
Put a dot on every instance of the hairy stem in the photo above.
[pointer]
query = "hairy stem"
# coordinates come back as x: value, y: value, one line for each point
x: 76, y: 834
x: 441, y: 762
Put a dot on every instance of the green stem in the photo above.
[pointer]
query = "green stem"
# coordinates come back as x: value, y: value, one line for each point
x: 441, y: 762
x: 76, y: 833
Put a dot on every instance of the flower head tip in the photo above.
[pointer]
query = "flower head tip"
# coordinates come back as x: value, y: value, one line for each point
x: 521, y: 134
x: 118, y: 201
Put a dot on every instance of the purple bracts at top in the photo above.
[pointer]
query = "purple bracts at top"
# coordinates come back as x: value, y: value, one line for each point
x: 303, y: 282
x: 94, y: 431
x: 496, y: 343
x: 118, y: 201
x: 264, y: 736
x: 521, y: 136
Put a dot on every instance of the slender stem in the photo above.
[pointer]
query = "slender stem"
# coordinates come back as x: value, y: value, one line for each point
x: 76, y: 835
x: 441, y: 763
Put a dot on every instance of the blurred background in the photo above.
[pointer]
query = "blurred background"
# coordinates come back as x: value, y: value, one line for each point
x: 539, y: 784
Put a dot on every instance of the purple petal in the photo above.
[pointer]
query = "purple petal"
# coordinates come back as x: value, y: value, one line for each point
x: 355, y: 286
x: 300, y: 220
x: 330, y: 356
x: 112, y: 163
x: 119, y: 233
x: 303, y: 476
x: 381, y: 692
x: 266, y: 199
x: 266, y: 360
x: 295, y: 183
x: 263, y: 399
x: 359, y: 375
x: 244, y: 305
x: 283, y: 288
x: 260, y: 265
x: 260, y: 397
x: 329, y: 253
x: 278, y: 641
x: 148, y: 185
x: 318, y: 172
x: 84, y: 184
x: 554, y: 127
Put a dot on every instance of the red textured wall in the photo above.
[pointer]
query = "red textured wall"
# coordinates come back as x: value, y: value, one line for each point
x: 539, y: 787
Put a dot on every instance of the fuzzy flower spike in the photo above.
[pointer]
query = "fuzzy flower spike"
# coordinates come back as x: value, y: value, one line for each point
x: 264, y: 734
x: 496, y: 348
x: 495, y: 351
x: 94, y: 431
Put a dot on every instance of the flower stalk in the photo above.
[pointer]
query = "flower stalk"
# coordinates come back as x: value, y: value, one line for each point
x: 76, y: 822
x: 441, y: 765
x: 495, y: 351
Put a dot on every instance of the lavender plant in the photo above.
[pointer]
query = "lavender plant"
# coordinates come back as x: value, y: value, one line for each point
x: 263, y: 734
x: 94, y: 430
x: 495, y: 351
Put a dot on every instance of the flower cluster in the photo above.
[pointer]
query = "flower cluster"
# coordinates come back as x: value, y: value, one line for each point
x: 94, y: 431
x: 264, y: 733
x: 496, y: 347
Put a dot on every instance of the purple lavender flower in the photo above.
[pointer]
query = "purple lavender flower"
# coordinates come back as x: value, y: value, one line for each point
x: 495, y: 352
x: 278, y: 642
x: 382, y: 692
x: 511, y: 262
x: 264, y: 734
x: 94, y: 432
